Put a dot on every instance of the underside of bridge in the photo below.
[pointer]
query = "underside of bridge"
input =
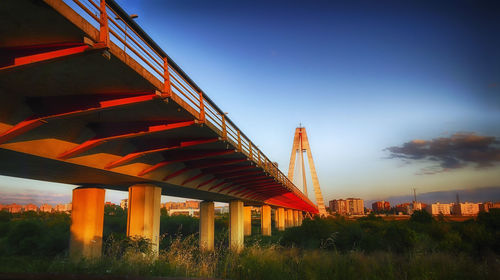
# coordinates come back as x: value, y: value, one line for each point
x: 77, y: 108
x: 69, y: 104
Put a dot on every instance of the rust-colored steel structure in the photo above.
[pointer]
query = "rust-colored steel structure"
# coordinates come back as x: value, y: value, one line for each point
x: 88, y: 98
x: 301, y: 145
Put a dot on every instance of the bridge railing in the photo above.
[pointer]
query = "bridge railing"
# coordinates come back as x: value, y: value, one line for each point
x: 115, y: 25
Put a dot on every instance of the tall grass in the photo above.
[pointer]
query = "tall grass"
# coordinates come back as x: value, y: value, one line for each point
x: 184, y: 259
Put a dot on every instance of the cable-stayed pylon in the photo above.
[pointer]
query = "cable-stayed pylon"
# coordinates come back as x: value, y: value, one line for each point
x: 301, y: 145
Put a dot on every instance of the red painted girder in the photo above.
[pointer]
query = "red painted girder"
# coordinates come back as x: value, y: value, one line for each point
x: 206, y: 182
x: 227, y: 187
x: 253, y: 179
x: 188, y: 158
x: 242, y: 191
x: 144, y: 152
x: 87, y: 145
x: 237, y: 188
x: 237, y: 174
x: 228, y: 169
x: 245, y: 193
x: 217, y: 163
x: 217, y: 185
x: 49, y: 55
x: 176, y: 173
x: 193, y: 178
x: 103, y: 104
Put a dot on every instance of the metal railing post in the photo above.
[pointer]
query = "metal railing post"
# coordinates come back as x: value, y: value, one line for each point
x: 202, y: 108
x: 104, y: 28
x: 250, y: 148
x: 239, y: 141
x: 224, y: 131
x: 167, y: 89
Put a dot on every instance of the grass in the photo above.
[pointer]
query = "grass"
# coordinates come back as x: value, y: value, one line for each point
x: 184, y: 259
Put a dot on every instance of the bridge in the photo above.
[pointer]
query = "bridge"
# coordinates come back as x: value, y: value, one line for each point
x: 88, y: 98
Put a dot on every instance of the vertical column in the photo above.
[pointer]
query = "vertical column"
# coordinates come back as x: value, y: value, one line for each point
x: 281, y: 218
x: 207, y: 225
x: 265, y: 220
x: 236, y: 226
x: 295, y: 218
x: 289, y: 218
x: 247, y: 215
x: 87, y: 219
x: 144, y: 213
x: 300, y: 218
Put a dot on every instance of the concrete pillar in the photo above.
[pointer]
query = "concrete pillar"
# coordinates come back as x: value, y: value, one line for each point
x: 300, y: 218
x: 236, y: 225
x: 144, y: 213
x: 87, y: 219
x: 295, y: 218
x: 289, y: 218
x: 207, y: 225
x: 281, y: 218
x: 265, y: 220
x: 247, y: 215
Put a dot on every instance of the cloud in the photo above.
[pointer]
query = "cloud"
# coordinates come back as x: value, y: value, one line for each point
x: 448, y: 153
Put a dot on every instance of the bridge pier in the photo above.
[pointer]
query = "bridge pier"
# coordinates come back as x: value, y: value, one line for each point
x: 247, y: 215
x: 236, y: 225
x: 144, y: 213
x: 207, y: 225
x: 295, y: 218
x: 87, y: 219
x: 280, y: 213
x: 300, y: 218
x: 289, y: 218
x: 265, y: 220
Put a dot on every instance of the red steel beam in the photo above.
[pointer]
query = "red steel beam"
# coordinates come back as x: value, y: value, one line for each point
x: 103, y: 103
x: 193, y: 178
x: 87, y: 145
x: 217, y: 185
x: 206, y: 182
x: 229, y: 169
x: 176, y: 173
x: 71, y: 49
x: 193, y: 157
x: 141, y: 153
x: 217, y: 163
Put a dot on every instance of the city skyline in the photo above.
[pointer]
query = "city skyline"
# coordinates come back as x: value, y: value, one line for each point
x: 377, y: 87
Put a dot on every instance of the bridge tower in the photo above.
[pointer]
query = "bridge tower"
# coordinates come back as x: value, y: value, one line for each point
x: 301, y: 145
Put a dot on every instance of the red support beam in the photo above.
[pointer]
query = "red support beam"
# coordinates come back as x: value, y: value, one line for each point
x: 238, y: 174
x: 176, y: 173
x: 226, y: 187
x: 214, y: 163
x: 188, y: 158
x: 193, y: 178
x: 253, y: 179
x: 42, y: 53
x: 144, y: 152
x: 229, y: 169
x: 206, y: 182
x: 217, y: 185
x: 95, y: 103
x: 92, y: 143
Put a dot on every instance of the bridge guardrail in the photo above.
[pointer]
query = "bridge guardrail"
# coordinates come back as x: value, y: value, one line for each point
x: 116, y: 26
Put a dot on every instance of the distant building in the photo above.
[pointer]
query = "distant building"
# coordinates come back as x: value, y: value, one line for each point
x: 109, y: 203
x: 465, y: 209
x: 30, y: 207
x: 46, y: 208
x: 349, y: 206
x: 221, y: 210
x: 14, y: 208
x: 186, y: 211
x: 63, y: 207
x: 124, y: 203
x: 438, y: 208
x: 189, y: 204
x: 382, y: 205
x: 3, y: 207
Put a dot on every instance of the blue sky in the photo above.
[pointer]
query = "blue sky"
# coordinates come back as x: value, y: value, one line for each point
x: 361, y: 77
